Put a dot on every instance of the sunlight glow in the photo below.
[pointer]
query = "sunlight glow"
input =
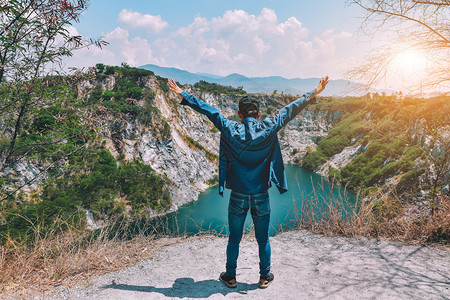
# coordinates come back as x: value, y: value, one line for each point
x: 407, y: 70
x: 410, y: 61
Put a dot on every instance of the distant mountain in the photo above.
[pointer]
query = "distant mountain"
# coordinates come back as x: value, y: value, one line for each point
x: 265, y: 85
x: 177, y: 74
x: 208, y: 75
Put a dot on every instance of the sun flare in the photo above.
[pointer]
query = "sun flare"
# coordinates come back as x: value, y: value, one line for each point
x: 410, y: 61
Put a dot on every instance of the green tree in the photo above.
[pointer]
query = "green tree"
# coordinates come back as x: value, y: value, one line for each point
x: 33, y: 37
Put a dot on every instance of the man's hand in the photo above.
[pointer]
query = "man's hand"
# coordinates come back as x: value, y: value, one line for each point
x: 321, y: 86
x: 174, y: 87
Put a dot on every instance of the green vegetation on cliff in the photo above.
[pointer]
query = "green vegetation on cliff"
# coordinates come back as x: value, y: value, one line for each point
x: 214, y: 88
x: 92, y: 181
x: 63, y: 138
x: 396, y: 137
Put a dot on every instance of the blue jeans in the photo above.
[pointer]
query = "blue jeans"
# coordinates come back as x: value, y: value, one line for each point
x: 237, y: 211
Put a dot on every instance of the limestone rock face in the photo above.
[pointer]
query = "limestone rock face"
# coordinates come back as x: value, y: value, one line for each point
x: 341, y: 159
x: 26, y: 171
x: 304, y: 131
x: 27, y: 175
x: 186, y: 165
x: 187, y: 169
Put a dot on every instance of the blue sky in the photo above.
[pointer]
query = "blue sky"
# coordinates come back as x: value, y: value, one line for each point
x: 318, y: 15
x: 255, y: 38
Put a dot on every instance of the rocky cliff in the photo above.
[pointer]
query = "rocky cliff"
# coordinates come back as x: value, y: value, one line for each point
x: 187, y: 165
x: 363, y: 141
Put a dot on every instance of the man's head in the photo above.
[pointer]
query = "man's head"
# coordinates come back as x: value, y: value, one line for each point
x: 249, y: 107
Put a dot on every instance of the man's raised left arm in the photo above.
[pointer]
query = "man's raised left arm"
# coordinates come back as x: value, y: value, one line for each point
x: 291, y: 110
x: 200, y: 106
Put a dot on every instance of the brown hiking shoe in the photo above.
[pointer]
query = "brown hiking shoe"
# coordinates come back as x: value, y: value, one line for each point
x: 264, y: 282
x: 229, y: 281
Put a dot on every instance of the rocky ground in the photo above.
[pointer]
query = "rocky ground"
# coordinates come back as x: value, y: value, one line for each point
x: 306, y: 266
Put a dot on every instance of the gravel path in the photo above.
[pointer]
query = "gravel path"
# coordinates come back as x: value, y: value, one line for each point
x: 305, y: 265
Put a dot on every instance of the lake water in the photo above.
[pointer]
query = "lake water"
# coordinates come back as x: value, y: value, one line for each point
x: 210, y: 212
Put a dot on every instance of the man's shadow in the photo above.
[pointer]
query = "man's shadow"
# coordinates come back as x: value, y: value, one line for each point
x: 188, y: 288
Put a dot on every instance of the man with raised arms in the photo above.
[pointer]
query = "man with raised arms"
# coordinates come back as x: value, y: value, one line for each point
x: 249, y: 162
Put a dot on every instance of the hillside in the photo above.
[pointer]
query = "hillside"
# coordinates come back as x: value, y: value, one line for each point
x: 121, y: 123
x: 128, y: 126
x: 389, y: 147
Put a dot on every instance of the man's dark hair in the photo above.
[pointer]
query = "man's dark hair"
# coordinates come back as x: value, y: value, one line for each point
x: 249, y: 107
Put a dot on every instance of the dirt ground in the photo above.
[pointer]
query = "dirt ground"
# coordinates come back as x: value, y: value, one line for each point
x: 305, y: 265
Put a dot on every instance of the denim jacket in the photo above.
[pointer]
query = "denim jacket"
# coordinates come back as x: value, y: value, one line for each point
x: 250, y: 155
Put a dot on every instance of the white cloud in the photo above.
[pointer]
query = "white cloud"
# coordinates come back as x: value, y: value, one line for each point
x: 135, y: 51
x: 117, y: 34
x: 72, y: 31
x: 236, y: 42
x: 154, y: 24
x: 197, y: 28
x: 252, y: 45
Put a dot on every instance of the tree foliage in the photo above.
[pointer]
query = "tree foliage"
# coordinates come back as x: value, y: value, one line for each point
x: 34, y: 33
x: 207, y: 87
x: 34, y: 37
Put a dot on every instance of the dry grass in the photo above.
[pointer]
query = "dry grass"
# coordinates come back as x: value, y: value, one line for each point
x: 388, y: 218
x: 71, y: 258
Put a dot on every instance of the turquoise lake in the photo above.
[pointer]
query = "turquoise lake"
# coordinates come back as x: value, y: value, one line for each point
x: 210, y: 211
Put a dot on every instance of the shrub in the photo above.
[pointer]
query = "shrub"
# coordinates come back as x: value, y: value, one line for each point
x: 147, y: 113
x: 110, y: 70
x: 143, y: 187
x: 95, y: 94
x: 107, y: 95
x: 214, y: 88
x: 4, y: 145
x: 166, y: 131
x: 333, y: 145
x: 163, y: 84
x: 340, y: 136
x: 134, y: 92
x: 334, y: 174
x: 92, y: 181
x: 406, y: 162
x: 100, y: 67
x: 148, y: 95
x: 43, y: 123
x: 314, y: 160
x: 135, y: 73
x: 410, y: 178
x: 213, y: 181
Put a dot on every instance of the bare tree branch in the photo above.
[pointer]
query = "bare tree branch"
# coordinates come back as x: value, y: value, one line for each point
x: 419, y: 25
